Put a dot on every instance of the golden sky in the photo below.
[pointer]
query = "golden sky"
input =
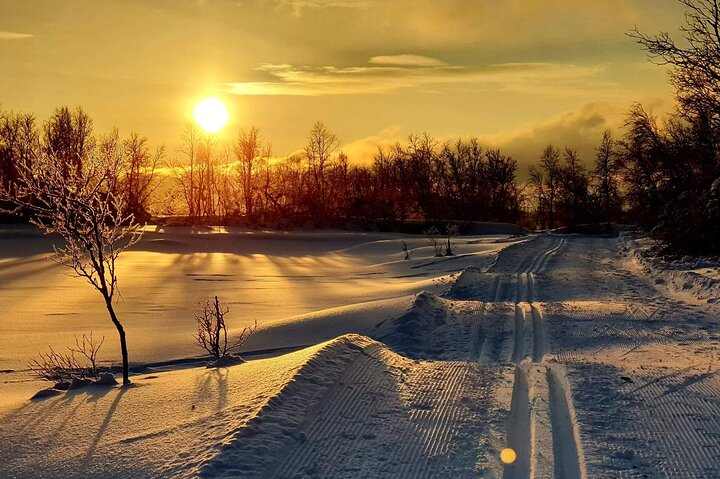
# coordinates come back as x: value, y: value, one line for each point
x: 516, y: 73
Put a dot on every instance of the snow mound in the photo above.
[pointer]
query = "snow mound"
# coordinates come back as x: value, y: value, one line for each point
x: 431, y: 328
x: 253, y: 447
x: 468, y: 277
x: 468, y: 284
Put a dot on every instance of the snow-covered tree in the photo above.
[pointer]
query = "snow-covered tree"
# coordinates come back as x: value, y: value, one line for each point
x: 77, y: 202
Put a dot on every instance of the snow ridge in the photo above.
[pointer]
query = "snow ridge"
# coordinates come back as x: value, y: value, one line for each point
x: 282, y: 414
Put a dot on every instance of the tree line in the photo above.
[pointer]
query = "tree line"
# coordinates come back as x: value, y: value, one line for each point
x: 657, y: 175
x: 663, y: 175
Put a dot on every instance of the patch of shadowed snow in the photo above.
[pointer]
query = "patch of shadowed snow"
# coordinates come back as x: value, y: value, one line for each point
x: 467, y: 283
x: 432, y: 328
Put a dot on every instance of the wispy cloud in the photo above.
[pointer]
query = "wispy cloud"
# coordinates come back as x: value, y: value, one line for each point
x: 386, y: 74
x: 14, y: 36
x: 297, y: 6
x: 407, y: 60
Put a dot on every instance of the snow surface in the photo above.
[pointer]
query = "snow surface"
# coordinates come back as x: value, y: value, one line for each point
x: 265, y: 276
x: 565, y: 348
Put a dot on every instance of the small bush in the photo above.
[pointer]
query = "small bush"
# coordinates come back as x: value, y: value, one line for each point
x: 433, y: 236
x: 408, y: 252
x: 61, y: 367
x: 212, y: 334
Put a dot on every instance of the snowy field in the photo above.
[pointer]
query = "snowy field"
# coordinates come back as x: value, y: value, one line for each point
x: 568, y: 349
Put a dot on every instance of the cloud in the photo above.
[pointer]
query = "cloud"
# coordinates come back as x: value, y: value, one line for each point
x: 14, y: 36
x: 391, y: 73
x: 298, y: 6
x: 580, y: 129
x: 407, y: 61
x: 362, y: 150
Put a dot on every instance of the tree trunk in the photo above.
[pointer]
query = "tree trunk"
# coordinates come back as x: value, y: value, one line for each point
x: 123, y: 343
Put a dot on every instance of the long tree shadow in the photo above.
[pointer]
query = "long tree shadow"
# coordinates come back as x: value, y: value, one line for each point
x: 106, y: 422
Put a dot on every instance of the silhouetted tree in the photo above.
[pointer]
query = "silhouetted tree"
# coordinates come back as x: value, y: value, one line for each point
x: 695, y: 64
x: 68, y: 136
x: 604, y: 178
x: 18, y: 142
x: 249, y: 148
x: 212, y: 332
x: 318, y: 151
x: 574, y: 191
x: 137, y: 181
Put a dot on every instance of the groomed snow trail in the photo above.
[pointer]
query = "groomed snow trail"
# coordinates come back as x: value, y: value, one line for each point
x: 542, y: 428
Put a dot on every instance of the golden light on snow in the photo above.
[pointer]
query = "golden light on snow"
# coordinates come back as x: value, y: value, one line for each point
x: 211, y: 114
x: 508, y: 455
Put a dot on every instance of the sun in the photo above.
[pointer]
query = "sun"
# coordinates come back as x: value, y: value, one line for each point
x: 211, y: 114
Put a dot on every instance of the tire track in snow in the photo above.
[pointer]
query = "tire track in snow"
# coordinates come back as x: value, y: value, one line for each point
x: 538, y: 333
x: 519, y: 334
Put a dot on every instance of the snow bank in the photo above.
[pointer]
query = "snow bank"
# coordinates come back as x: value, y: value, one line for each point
x: 698, y: 278
x: 434, y: 328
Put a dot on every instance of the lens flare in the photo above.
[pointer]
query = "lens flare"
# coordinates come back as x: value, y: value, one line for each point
x: 508, y: 455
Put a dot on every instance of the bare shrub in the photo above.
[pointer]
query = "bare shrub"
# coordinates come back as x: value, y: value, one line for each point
x: 433, y: 236
x: 450, y: 231
x: 54, y: 366
x: 88, y: 348
x: 408, y: 252
x: 212, y: 334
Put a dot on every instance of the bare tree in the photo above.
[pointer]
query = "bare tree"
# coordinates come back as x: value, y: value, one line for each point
x: 185, y: 171
x: 550, y: 164
x: 68, y: 136
x: 18, y: 141
x: 248, y: 149
x: 537, y: 183
x: 212, y: 334
x: 319, y: 149
x: 695, y: 63
x: 138, y: 177
x: 604, y: 176
x: 80, y: 205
